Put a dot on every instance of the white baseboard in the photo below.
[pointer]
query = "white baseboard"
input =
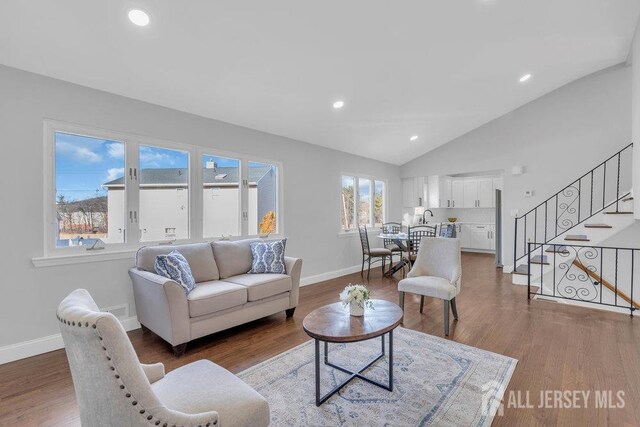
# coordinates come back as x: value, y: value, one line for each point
x: 310, y: 280
x: 42, y: 345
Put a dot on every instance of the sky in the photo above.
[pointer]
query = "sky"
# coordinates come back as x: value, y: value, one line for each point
x: 84, y: 164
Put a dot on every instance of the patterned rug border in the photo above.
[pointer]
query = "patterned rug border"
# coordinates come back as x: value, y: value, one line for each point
x: 498, y: 392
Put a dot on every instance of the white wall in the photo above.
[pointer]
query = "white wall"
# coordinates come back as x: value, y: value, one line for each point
x: 557, y: 138
x: 30, y: 295
x: 634, y: 57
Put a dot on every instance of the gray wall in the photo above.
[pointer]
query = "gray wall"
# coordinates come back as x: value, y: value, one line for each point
x: 311, y: 176
x: 557, y: 138
x: 635, y: 114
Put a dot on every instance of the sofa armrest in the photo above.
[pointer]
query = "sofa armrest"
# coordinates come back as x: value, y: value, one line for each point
x: 154, y: 372
x: 161, y: 306
x: 293, y: 267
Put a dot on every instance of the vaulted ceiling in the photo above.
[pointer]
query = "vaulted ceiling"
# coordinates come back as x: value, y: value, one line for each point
x: 432, y: 68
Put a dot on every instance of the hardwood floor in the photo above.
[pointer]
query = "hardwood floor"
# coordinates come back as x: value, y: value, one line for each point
x: 559, y: 347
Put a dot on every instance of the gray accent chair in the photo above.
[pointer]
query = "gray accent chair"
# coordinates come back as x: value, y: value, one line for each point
x: 114, y: 389
x: 436, y: 272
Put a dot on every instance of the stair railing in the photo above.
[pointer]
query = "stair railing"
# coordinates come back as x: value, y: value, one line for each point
x: 600, y: 275
x: 575, y: 203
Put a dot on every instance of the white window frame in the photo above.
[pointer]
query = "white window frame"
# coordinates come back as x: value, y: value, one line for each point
x: 372, y: 180
x: 53, y: 255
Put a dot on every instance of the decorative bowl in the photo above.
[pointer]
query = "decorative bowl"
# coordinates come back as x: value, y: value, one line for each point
x: 452, y: 219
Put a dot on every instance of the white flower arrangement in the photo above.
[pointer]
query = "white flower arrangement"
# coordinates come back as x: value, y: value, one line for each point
x: 358, y: 294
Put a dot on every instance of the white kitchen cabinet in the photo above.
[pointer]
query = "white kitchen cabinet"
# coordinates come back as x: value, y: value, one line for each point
x: 439, y: 192
x: 485, y: 193
x: 413, y: 192
x: 480, y: 237
x: 470, y: 193
x: 492, y: 237
x: 457, y: 193
x: 464, y: 234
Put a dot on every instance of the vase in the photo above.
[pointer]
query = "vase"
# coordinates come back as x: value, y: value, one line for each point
x: 356, y: 309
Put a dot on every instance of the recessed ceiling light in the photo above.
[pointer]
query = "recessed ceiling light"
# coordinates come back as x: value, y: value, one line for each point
x: 338, y: 104
x: 525, y: 78
x: 413, y: 138
x: 139, y: 17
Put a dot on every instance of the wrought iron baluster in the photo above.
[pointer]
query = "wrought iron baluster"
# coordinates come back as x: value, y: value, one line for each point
x: 615, y: 295
x: 604, y: 186
x: 591, y: 198
x: 579, y: 198
x: 529, y: 272
x: 633, y: 251
x: 618, y: 186
x: 601, y: 272
x: 526, y: 238
x: 545, y: 220
x: 535, y: 225
x: 555, y: 252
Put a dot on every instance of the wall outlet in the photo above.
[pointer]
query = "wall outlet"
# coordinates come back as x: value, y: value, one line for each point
x: 120, y: 311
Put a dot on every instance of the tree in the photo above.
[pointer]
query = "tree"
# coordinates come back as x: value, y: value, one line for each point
x: 348, y: 204
x: 268, y: 224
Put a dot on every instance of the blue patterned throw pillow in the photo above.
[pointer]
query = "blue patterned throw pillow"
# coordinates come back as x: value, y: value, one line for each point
x: 176, y: 267
x: 268, y: 257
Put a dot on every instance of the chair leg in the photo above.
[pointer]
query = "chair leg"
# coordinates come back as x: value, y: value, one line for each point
x: 446, y: 317
x: 369, y: 269
x: 362, y: 269
x: 384, y: 259
x: 421, y: 303
x: 454, y: 309
x: 402, y: 303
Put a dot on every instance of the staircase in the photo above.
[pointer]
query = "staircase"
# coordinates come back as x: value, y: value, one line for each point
x: 559, y: 249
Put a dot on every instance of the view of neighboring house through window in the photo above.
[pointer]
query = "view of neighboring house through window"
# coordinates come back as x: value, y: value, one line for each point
x: 84, y: 215
x: 164, y: 194
x: 221, y: 182
x: 114, y: 190
x: 263, y: 198
x: 364, y: 206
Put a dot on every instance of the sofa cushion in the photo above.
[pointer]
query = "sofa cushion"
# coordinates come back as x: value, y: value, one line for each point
x: 216, y: 295
x: 233, y: 258
x: 260, y: 286
x: 198, y: 255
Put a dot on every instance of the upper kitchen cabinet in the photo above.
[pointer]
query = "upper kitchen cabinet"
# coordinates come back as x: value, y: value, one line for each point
x: 457, y: 193
x: 413, y: 192
x: 439, y: 192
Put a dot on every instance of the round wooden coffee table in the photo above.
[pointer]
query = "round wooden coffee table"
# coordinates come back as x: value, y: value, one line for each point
x: 333, y: 323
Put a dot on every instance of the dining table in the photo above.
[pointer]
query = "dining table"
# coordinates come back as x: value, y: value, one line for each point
x: 402, y: 240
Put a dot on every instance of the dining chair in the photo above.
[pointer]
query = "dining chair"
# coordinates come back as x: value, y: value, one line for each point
x: 436, y: 273
x: 368, y: 253
x: 392, y: 228
x: 416, y: 234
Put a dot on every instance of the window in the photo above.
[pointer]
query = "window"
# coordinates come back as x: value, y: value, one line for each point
x: 347, y: 203
x: 115, y: 191
x: 366, y: 206
x: 164, y: 194
x: 263, y: 201
x: 220, y: 196
x: 85, y: 169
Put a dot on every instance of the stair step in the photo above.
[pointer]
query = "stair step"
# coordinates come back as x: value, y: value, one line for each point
x: 558, y: 249
x: 540, y: 259
x: 577, y: 238
x: 521, y: 269
x: 597, y: 226
x: 619, y: 213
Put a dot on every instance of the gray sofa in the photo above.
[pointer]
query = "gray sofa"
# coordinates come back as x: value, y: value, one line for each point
x: 225, y: 295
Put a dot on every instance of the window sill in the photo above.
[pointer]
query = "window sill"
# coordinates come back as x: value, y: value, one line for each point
x: 355, y: 233
x: 52, y: 261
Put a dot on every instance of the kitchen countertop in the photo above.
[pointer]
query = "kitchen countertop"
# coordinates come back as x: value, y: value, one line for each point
x: 467, y: 223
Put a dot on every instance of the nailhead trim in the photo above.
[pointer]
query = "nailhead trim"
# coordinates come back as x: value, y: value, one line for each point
x: 113, y: 369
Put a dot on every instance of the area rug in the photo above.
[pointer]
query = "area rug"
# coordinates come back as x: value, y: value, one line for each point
x: 436, y: 382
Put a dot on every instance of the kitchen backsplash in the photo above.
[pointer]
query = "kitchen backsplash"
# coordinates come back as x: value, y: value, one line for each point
x: 487, y: 215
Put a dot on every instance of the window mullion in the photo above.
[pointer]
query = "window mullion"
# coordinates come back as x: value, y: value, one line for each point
x: 132, y: 199
x: 244, y: 197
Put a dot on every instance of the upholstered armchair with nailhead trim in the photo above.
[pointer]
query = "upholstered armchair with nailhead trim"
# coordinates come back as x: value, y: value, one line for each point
x: 114, y: 388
